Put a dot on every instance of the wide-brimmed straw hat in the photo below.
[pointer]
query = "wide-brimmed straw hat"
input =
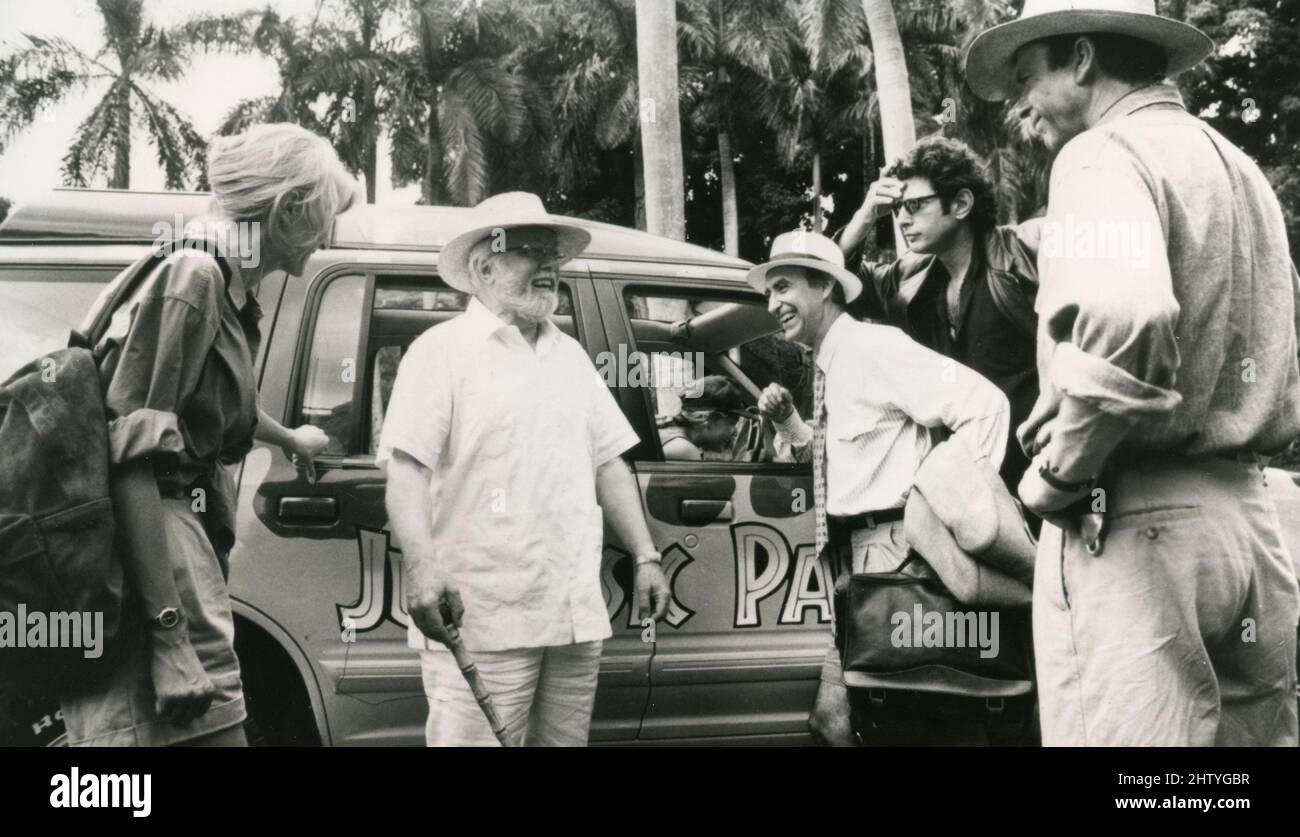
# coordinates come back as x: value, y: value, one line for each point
x: 814, y: 251
x: 990, y: 70
x: 502, y: 212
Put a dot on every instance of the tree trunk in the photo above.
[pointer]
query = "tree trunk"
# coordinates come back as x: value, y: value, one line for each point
x: 122, y: 139
x: 869, y: 168
x: 638, y: 183
x: 730, y: 217
x: 370, y: 157
x: 434, y: 187
x: 892, y: 85
x: 817, y: 192
x: 656, y: 60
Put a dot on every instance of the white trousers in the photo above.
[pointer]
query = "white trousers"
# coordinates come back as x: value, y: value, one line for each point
x: 544, y: 696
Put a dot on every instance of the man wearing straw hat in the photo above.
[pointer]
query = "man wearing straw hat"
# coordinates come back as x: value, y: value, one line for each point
x: 876, y: 396
x: 503, y: 451
x: 1167, y: 360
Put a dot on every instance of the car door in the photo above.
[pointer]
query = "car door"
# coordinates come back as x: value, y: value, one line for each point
x: 320, y: 558
x: 740, y: 650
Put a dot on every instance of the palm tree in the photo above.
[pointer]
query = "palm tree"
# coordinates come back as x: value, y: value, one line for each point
x: 294, y: 49
x: 596, y: 96
x: 46, y: 70
x: 823, y: 91
x: 357, y: 69
x: 742, y: 45
x: 459, y: 91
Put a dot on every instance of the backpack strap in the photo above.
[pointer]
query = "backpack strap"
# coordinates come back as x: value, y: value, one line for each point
x: 127, y: 285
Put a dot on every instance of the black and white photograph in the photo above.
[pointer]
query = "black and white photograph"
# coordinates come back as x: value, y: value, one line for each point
x: 584, y: 373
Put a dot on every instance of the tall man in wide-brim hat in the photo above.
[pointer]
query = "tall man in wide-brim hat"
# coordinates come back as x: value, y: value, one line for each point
x: 503, y: 451
x: 1165, y: 602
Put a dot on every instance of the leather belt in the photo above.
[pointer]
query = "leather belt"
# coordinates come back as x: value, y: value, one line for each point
x: 866, y: 520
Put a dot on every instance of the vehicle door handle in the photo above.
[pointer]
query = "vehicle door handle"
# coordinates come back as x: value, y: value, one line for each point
x: 309, y: 509
x: 705, y: 511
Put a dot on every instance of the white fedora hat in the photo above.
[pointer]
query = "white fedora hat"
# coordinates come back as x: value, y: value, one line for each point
x: 991, y: 73
x: 814, y: 251
x: 502, y: 212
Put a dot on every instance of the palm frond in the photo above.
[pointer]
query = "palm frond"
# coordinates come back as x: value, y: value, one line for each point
x: 496, y: 96
x: 182, y: 153
x: 93, y: 140
x: 467, y: 174
x: 831, y: 28
x: 123, y: 24
x: 247, y: 113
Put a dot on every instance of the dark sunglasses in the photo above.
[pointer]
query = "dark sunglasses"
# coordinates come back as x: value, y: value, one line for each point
x: 912, y: 205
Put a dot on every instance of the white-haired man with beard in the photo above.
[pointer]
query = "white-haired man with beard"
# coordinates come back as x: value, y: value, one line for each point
x: 503, y: 450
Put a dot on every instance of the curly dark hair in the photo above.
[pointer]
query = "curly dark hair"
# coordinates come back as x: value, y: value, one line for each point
x: 951, y: 165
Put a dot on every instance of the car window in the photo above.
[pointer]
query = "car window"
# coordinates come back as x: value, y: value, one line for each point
x: 404, y: 308
x: 332, y: 364
x: 718, y: 430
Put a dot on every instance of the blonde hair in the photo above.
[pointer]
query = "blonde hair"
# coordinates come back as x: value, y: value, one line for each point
x: 283, y: 176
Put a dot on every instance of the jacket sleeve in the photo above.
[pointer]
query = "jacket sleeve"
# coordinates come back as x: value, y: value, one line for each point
x: 877, y: 288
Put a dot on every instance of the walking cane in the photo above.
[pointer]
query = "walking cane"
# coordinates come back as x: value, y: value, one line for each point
x: 470, y: 671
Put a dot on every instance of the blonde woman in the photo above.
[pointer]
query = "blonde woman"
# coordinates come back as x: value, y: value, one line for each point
x: 182, y: 402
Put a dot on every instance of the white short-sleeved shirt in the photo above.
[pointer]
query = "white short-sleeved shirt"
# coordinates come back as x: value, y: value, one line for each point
x: 514, y: 436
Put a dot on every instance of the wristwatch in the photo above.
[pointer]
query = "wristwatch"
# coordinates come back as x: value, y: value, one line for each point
x: 167, y: 618
x: 649, y: 558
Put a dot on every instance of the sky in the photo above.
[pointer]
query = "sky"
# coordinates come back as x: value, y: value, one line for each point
x: 31, y: 163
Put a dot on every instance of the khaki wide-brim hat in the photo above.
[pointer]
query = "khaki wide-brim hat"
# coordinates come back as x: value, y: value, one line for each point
x: 800, y: 248
x: 500, y: 213
x: 990, y: 70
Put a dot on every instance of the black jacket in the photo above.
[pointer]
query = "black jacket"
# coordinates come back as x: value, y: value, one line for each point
x: 996, y: 320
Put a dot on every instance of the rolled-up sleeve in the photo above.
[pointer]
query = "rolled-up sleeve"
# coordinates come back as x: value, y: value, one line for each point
x: 1108, y: 314
x: 161, y: 359
x: 1107, y: 300
x: 793, y: 440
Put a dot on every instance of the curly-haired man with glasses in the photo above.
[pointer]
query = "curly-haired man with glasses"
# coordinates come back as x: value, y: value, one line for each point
x: 966, y: 288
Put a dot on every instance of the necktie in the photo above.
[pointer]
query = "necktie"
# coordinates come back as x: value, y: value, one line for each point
x: 819, y: 458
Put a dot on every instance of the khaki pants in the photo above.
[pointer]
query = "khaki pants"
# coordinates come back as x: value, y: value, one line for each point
x: 544, y: 696
x: 120, y: 711
x: 1183, y: 630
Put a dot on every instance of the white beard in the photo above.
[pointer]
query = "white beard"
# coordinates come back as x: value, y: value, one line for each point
x: 534, y: 307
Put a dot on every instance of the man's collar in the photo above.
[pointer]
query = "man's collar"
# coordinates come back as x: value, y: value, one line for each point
x: 483, y: 324
x: 827, y: 349
x: 1162, y: 93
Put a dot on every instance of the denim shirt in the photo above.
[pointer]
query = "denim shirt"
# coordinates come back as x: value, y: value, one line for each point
x: 1167, y: 297
x: 180, y: 389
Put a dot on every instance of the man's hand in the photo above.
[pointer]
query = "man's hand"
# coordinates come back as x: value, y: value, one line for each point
x: 426, y: 595
x: 304, y: 445
x: 182, y: 690
x: 880, y: 198
x: 775, y: 403
x: 652, y: 593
